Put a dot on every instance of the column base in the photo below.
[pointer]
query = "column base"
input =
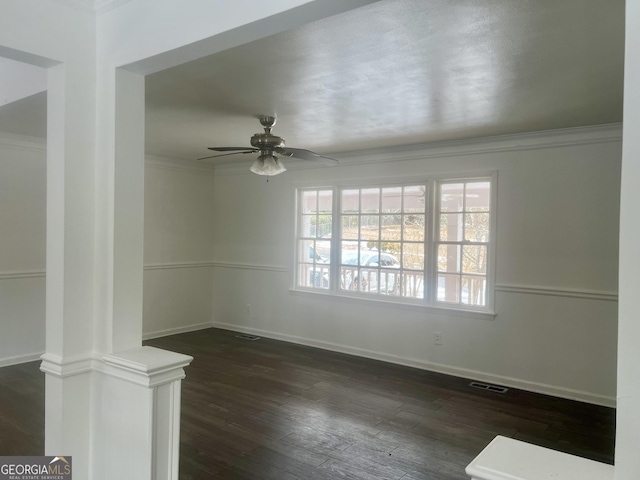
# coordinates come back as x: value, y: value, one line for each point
x: 508, y: 459
x: 118, y: 416
x: 141, y: 413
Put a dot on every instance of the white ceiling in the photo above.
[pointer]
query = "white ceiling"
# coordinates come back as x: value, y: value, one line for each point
x: 399, y: 72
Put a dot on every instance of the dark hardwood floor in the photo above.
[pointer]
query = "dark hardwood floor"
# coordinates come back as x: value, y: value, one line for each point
x: 276, y: 410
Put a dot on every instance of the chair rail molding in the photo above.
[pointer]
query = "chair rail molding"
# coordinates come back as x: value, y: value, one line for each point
x: 22, y: 274
x: 606, y: 296
x: 250, y: 266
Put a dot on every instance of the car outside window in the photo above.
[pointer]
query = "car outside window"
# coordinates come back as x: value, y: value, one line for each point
x: 428, y: 243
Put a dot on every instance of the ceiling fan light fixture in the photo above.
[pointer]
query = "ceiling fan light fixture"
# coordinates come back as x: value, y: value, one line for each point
x: 268, y: 144
x: 267, y: 165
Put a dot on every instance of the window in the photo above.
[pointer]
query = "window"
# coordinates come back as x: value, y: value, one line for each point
x: 314, y: 238
x: 463, y: 242
x: 382, y: 240
x: 424, y: 242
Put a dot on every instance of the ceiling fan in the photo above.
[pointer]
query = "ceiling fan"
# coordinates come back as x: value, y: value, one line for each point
x: 268, y: 145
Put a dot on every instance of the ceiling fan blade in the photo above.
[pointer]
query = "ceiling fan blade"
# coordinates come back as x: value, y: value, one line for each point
x: 230, y: 149
x: 306, y: 155
x: 225, y: 154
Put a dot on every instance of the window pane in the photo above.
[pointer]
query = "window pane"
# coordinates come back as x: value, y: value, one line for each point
x: 391, y: 200
x: 319, y: 276
x: 477, y: 196
x: 391, y: 227
x: 414, y: 198
x: 369, y: 252
x: 389, y: 282
x: 348, y: 278
x: 449, y: 288
x: 349, y: 253
x: 390, y: 255
x: 413, y: 256
x: 350, y: 227
x: 367, y: 281
x: 306, y: 251
x: 451, y: 197
x: 413, y: 228
x: 305, y: 275
x: 412, y: 285
x: 350, y: 201
x: 370, y: 199
x: 474, y: 259
x: 309, y: 201
x: 451, y: 227
x: 325, y: 200
x: 323, y: 251
x: 369, y: 229
x: 476, y: 227
x: 473, y: 290
x: 307, y: 225
x: 449, y: 258
x: 323, y: 227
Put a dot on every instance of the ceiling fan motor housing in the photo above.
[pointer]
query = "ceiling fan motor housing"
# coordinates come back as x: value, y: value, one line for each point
x: 267, y: 141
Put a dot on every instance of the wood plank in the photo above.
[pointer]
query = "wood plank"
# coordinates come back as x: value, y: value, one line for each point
x: 271, y: 409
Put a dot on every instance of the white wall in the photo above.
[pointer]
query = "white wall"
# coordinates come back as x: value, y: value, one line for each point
x: 22, y: 248
x: 555, y: 329
x: 557, y: 253
x: 178, y: 248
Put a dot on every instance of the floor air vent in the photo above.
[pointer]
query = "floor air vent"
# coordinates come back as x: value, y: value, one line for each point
x: 490, y: 388
x: 246, y: 336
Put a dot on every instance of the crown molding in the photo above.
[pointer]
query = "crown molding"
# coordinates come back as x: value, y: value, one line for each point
x: 566, y: 137
x: 26, y: 142
x: 190, y: 166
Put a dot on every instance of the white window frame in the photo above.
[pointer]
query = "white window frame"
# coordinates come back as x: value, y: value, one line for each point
x: 429, y: 301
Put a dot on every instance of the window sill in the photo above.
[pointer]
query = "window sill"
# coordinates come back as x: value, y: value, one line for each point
x: 455, y: 312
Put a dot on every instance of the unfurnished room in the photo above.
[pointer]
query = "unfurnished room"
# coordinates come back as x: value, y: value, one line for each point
x: 319, y: 239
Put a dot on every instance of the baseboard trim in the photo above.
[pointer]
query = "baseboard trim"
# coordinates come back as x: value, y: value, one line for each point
x: 176, y: 331
x: 18, y: 359
x: 529, y: 386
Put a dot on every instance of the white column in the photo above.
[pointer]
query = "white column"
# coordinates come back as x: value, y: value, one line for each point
x: 628, y: 415
x: 142, y: 395
x: 107, y: 397
x: 137, y: 393
x: 128, y: 212
x: 70, y: 274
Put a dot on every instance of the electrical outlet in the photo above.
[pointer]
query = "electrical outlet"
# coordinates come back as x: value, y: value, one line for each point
x: 437, y: 338
x: 247, y: 309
